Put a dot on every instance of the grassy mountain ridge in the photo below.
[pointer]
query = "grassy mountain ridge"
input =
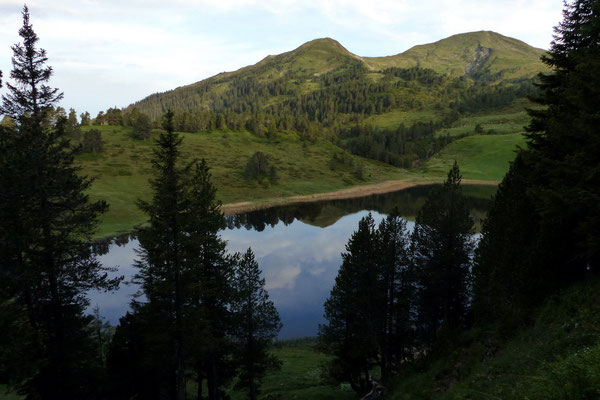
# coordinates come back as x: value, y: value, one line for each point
x: 277, y: 83
x: 467, y: 53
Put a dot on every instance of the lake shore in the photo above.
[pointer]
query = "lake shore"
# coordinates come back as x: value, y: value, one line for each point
x: 349, y: 193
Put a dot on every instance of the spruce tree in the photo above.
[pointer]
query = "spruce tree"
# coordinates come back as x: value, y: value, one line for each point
x: 350, y: 335
x: 563, y: 146
x: 441, y: 250
x: 162, y: 254
x: 256, y: 323
x: 30, y: 97
x: 394, y: 294
x: 211, y: 272
x: 47, y: 221
x: 507, y: 280
x: 542, y: 232
x: 185, y: 274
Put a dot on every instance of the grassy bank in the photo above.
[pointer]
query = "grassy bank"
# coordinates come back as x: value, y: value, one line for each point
x: 299, y: 377
x: 558, y: 357
x: 122, y: 171
x: 484, y: 157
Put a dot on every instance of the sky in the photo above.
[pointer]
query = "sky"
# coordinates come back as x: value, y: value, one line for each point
x: 108, y: 53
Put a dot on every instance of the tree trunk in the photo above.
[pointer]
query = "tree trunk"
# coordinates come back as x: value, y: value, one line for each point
x: 211, y: 379
x: 200, y: 380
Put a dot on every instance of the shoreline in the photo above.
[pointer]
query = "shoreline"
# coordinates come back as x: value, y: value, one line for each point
x: 349, y: 193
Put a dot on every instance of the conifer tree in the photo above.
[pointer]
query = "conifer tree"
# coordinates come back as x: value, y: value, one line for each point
x: 211, y: 273
x: 46, y: 223
x: 563, y: 142
x: 542, y: 232
x: 256, y: 323
x: 506, y: 274
x: 185, y: 274
x: 441, y: 250
x: 30, y: 97
x: 162, y: 254
x: 395, y: 294
x: 351, y: 333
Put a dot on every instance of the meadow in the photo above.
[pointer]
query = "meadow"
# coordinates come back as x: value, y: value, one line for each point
x: 122, y: 171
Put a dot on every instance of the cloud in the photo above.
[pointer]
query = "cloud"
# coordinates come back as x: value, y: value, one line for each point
x: 282, y: 278
x: 127, y: 49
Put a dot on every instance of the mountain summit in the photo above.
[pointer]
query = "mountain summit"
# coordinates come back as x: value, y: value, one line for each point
x: 463, y: 53
x: 299, y: 72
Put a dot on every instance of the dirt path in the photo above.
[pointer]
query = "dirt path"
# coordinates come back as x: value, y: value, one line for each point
x: 355, y: 191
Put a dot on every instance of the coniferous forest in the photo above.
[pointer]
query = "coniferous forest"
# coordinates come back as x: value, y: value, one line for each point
x: 438, y: 308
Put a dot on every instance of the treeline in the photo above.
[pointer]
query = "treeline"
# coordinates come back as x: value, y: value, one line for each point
x: 403, y: 147
x: 260, y: 124
x: 400, y: 296
x: 346, y: 93
x: 481, y: 97
x: 202, y: 316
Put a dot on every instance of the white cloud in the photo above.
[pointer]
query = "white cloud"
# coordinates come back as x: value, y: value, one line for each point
x: 121, y: 51
x: 282, y: 278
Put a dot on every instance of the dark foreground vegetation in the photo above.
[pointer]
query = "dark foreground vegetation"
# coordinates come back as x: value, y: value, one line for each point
x: 202, y: 316
x: 419, y: 306
x: 423, y: 312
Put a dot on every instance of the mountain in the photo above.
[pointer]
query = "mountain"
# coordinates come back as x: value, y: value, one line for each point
x: 397, y: 109
x: 466, y: 53
x: 296, y: 73
x: 313, y: 58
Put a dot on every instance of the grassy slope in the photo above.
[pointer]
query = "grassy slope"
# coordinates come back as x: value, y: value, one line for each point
x: 121, y: 173
x: 484, y: 157
x: 558, y: 357
x: 452, y: 55
x: 392, y: 119
x: 299, y: 377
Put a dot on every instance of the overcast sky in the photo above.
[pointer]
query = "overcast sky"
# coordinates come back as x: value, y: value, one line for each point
x: 111, y: 53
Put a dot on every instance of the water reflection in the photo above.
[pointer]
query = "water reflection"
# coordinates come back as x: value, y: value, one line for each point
x: 407, y: 202
x: 298, y: 248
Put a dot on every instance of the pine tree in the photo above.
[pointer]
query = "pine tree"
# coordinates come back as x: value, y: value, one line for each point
x: 211, y: 272
x: 162, y: 254
x: 184, y: 273
x: 441, y: 249
x: 563, y: 146
x: 542, y: 231
x: 30, y: 97
x: 395, y: 294
x: 351, y: 333
x: 256, y: 323
x: 506, y: 275
x: 45, y: 238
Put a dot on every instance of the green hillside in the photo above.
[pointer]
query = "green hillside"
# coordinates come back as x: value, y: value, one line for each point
x: 323, y: 71
x: 484, y: 157
x: 399, y: 109
x: 468, y: 53
x: 122, y: 171
x: 557, y: 357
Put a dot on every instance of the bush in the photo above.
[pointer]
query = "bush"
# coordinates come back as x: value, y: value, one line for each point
x: 260, y: 166
x: 92, y: 141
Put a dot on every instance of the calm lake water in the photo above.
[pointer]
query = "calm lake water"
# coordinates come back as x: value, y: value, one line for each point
x: 298, y: 248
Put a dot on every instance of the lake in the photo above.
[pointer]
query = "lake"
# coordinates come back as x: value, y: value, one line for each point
x: 298, y: 248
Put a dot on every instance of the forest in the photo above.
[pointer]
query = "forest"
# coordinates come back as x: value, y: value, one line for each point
x: 203, y: 326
